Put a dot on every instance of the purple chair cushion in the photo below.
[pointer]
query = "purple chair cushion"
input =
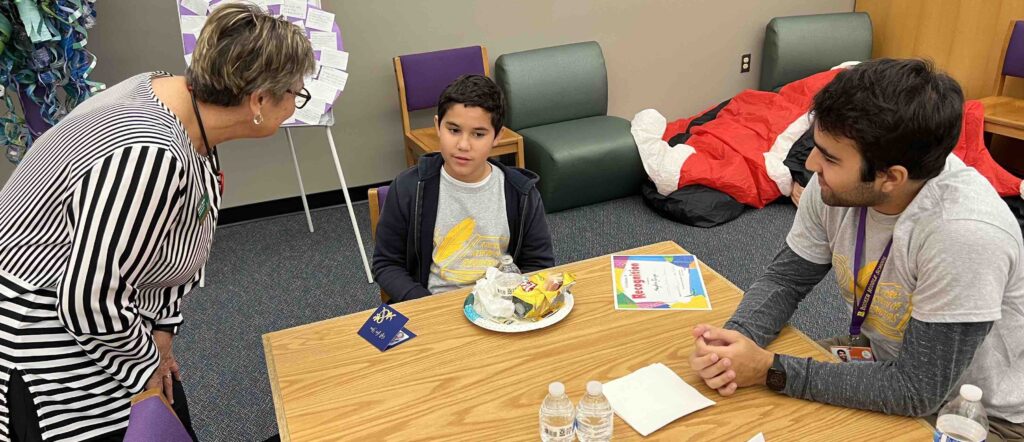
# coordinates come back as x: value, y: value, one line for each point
x: 1013, y: 63
x: 151, y: 420
x: 382, y: 194
x: 427, y: 74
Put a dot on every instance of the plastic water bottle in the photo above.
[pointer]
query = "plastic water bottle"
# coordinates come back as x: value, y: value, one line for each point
x: 557, y: 415
x: 595, y: 418
x: 963, y: 419
x: 510, y: 277
x: 508, y: 266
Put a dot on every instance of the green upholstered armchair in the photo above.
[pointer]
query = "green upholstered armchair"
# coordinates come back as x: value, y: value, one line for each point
x: 799, y: 46
x: 558, y: 102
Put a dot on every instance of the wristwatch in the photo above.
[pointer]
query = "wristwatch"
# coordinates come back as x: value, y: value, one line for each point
x: 776, y: 378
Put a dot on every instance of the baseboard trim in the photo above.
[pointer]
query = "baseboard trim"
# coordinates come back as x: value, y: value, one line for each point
x: 285, y: 206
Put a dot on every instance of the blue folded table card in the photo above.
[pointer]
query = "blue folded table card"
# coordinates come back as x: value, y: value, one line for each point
x: 384, y: 328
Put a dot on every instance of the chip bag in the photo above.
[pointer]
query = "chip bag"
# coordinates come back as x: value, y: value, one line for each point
x: 541, y: 295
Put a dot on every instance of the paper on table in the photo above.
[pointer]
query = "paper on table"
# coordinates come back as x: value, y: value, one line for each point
x: 652, y: 397
x: 317, y: 19
x: 334, y: 78
x: 759, y: 437
x: 334, y: 59
x: 323, y: 40
x: 311, y: 112
x: 294, y: 8
x: 200, y: 7
x: 192, y: 24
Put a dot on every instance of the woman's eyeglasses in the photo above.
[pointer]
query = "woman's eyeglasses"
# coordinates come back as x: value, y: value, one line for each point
x: 301, y: 97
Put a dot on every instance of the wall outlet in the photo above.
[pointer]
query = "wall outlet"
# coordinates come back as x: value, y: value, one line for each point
x: 744, y: 63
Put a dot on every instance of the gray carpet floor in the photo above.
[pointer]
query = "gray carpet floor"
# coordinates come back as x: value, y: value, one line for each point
x: 273, y: 274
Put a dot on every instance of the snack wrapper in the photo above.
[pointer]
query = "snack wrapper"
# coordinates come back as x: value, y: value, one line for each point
x: 541, y: 295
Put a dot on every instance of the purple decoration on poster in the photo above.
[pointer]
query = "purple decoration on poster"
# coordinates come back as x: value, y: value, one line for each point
x: 189, y: 43
x: 188, y: 40
x: 316, y: 54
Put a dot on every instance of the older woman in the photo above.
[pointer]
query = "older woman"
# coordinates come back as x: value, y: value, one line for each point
x: 108, y: 221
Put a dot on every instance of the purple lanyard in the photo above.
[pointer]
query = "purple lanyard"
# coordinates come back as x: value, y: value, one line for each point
x: 860, y: 310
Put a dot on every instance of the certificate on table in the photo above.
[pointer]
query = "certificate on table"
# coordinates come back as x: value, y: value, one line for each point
x: 658, y: 282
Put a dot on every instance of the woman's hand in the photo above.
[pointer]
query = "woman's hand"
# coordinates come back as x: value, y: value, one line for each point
x: 168, y: 366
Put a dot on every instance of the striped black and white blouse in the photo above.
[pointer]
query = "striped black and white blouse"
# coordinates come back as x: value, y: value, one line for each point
x: 104, y: 227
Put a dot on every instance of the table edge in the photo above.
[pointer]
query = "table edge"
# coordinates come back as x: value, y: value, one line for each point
x: 275, y: 391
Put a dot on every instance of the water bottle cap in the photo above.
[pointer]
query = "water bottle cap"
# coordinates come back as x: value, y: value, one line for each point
x: 970, y: 392
x: 593, y: 388
x: 556, y: 389
x: 507, y: 259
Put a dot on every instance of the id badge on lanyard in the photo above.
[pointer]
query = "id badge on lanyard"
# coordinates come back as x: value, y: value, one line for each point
x: 863, y: 305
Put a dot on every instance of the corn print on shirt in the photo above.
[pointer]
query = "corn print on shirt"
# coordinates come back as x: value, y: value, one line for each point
x: 471, y: 232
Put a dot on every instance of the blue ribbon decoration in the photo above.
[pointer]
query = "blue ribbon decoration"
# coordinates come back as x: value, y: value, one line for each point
x: 36, y: 67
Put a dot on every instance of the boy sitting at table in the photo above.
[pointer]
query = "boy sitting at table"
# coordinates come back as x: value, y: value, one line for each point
x: 453, y: 215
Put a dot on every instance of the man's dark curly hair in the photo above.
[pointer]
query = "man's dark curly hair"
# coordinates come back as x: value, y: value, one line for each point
x: 898, y: 112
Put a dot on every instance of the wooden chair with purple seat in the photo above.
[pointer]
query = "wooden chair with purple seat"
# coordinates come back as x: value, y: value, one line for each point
x: 1005, y: 115
x: 422, y: 77
x: 375, y: 198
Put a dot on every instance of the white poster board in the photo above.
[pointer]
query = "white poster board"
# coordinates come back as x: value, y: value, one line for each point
x: 331, y: 74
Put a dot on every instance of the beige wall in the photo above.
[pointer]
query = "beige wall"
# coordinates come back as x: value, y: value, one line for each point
x: 677, y: 56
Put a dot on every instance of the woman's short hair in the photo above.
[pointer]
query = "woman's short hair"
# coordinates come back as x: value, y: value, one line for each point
x: 241, y: 50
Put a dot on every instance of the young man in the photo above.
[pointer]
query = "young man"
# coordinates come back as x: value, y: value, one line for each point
x: 926, y: 255
x: 448, y: 219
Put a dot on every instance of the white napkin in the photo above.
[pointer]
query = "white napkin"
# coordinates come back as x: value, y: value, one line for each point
x: 652, y: 397
x: 488, y: 301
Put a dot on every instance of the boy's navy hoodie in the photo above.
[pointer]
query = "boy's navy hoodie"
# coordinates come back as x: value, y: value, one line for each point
x: 405, y: 232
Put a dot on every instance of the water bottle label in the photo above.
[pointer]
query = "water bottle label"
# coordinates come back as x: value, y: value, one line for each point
x: 558, y: 432
x: 942, y: 437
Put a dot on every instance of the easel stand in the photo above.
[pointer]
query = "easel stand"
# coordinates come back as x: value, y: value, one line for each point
x: 344, y: 190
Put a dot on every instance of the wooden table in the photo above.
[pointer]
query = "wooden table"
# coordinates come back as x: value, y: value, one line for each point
x: 457, y: 381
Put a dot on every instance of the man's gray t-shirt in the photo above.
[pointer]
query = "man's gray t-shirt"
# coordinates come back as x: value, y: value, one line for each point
x: 956, y: 257
x: 471, y: 232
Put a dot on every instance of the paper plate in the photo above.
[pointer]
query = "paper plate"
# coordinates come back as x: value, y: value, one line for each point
x: 511, y: 325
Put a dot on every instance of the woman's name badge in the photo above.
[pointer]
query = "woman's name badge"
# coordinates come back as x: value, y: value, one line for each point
x: 203, y: 209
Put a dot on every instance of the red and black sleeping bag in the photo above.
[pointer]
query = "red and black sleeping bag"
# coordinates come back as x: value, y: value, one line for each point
x: 747, y: 151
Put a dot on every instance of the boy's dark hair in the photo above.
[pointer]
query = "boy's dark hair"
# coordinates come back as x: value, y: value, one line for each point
x: 474, y: 91
x: 898, y: 112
